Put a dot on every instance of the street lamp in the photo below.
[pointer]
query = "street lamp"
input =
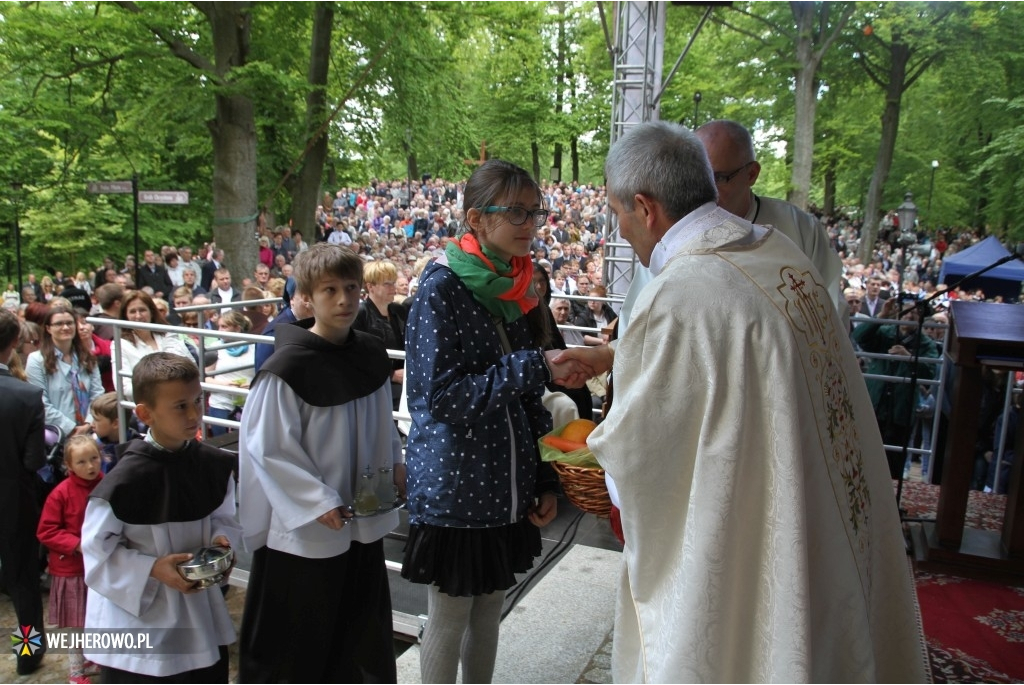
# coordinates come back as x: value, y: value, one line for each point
x: 931, y: 187
x: 907, y: 212
x: 408, y: 169
x: 696, y: 107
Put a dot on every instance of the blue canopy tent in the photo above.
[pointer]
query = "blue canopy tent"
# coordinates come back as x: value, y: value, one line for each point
x: 1004, y: 280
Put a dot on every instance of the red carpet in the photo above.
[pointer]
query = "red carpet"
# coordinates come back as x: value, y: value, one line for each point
x: 974, y: 628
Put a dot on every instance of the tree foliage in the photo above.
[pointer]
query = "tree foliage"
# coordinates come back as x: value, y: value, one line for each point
x: 104, y: 91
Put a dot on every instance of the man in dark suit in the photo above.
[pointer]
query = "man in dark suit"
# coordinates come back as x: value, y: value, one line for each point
x: 560, y: 234
x: 155, y: 276
x: 223, y: 290
x: 210, y: 267
x: 874, y: 297
x: 21, y: 454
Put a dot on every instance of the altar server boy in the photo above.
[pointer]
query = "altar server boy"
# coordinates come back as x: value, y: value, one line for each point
x: 317, y: 428
x: 169, y: 495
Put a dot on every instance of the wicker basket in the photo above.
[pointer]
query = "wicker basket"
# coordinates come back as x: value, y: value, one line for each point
x: 585, y: 488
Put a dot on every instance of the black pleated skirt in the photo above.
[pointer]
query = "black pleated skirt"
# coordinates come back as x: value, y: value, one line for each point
x: 463, y: 562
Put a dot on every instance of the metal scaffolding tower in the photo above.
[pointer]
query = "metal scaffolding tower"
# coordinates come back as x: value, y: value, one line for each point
x: 639, y: 29
x: 637, y: 53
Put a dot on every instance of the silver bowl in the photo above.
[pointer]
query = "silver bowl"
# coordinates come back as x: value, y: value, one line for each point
x: 207, y: 566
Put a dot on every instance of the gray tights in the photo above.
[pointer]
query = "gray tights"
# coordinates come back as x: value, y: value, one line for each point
x: 465, y: 627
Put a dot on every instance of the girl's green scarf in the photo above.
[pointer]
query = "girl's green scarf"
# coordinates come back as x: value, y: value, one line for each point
x: 506, y: 290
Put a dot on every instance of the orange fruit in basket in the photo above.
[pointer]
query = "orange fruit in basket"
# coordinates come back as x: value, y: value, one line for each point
x: 578, y: 430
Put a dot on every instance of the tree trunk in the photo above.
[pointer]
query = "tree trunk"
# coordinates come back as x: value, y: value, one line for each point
x: 806, y: 103
x: 310, y: 175
x: 560, y: 80
x: 535, y: 149
x: 899, y: 56
x: 233, y: 132
x: 829, y: 205
x: 575, y: 154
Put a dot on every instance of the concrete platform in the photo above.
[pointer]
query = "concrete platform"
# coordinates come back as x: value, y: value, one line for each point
x: 559, y: 632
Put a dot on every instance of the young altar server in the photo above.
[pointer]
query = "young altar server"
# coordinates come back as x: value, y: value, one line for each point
x: 318, y: 427
x: 169, y: 495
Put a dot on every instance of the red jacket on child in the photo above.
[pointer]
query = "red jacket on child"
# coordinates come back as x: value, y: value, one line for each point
x: 60, y: 526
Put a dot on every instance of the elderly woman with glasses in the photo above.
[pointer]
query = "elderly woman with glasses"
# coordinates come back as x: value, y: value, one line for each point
x: 67, y: 372
x: 381, y: 316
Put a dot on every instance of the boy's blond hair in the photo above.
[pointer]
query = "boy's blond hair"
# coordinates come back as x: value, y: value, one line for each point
x: 323, y: 260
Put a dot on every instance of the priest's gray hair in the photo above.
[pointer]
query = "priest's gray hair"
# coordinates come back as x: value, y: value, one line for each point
x: 664, y: 161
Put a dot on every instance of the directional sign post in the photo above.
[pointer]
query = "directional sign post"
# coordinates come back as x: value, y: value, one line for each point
x: 146, y: 197
x: 163, y: 197
x: 122, y: 188
x: 109, y: 187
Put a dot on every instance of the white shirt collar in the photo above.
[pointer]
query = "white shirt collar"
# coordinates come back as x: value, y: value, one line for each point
x: 682, y: 232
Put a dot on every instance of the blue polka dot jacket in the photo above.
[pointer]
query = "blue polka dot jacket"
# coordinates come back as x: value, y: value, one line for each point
x: 472, y: 455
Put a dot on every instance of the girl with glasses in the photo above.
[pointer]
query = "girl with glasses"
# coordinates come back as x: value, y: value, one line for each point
x: 475, y: 370
x: 66, y: 371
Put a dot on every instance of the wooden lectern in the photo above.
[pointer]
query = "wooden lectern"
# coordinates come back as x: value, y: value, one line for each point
x: 981, y: 335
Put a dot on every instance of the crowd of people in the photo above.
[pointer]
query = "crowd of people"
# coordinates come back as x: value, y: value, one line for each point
x: 494, y: 289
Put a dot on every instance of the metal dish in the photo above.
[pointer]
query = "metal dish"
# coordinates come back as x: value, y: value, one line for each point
x: 399, y: 503
x: 207, y: 566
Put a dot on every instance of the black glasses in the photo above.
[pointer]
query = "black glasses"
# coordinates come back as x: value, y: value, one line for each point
x: 722, y: 178
x: 517, y: 216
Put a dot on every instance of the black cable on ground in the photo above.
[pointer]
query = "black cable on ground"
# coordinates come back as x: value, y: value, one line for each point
x: 561, y: 547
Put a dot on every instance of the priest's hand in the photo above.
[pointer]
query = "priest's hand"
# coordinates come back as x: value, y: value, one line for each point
x: 165, y: 569
x: 592, y: 360
x: 570, y: 373
x: 544, y: 510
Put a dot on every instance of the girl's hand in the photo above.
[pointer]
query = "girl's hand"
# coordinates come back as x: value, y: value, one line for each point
x: 544, y: 511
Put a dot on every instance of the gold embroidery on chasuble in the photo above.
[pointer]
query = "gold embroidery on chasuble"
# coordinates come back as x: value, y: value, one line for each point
x: 808, y: 309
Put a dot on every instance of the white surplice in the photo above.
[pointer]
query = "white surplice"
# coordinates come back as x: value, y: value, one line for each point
x: 185, y: 631
x: 763, y: 542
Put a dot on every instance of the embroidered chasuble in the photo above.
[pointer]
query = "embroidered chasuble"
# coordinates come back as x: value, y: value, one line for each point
x: 763, y: 542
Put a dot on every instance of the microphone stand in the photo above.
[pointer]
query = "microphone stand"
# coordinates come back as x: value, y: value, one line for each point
x: 922, y: 306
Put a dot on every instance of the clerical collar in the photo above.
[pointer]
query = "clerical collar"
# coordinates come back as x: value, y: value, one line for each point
x: 684, y: 230
x: 150, y: 440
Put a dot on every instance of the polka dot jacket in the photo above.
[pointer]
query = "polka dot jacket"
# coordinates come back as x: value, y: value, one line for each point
x: 472, y: 456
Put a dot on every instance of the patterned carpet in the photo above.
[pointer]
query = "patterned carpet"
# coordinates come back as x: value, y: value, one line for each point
x: 974, y: 628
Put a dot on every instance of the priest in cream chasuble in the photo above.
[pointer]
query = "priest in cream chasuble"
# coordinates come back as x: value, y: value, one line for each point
x: 763, y: 542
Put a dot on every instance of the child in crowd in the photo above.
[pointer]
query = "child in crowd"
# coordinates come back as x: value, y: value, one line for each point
x: 317, y: 428
x: 105, y: 426
x: 169, y: 495
x: 60, y: 531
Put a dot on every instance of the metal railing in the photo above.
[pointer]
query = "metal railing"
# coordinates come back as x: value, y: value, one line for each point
x: 940, y: 383
x: 199, y: 338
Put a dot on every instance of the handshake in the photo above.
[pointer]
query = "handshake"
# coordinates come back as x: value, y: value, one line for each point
x: 572, y: 367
